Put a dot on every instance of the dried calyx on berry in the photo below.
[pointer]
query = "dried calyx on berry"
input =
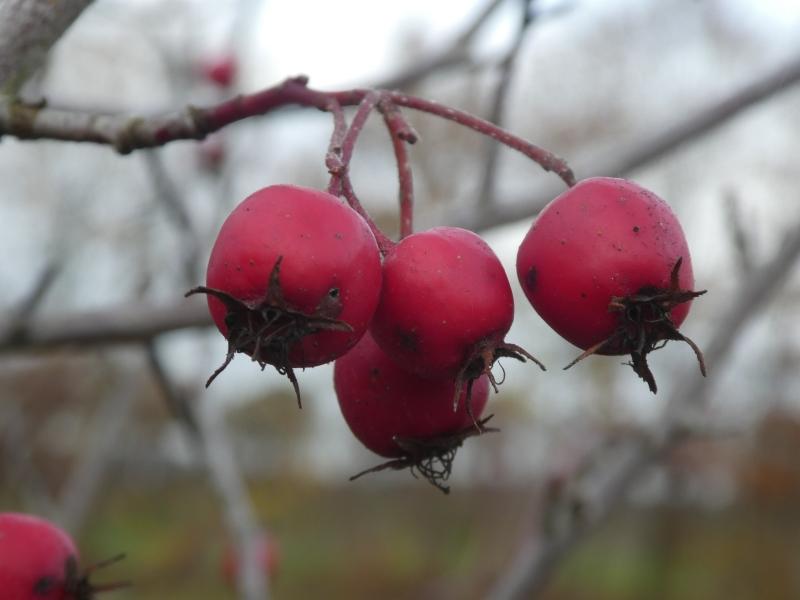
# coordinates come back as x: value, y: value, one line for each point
x: 268, y: 328
x: 431, y: 458
x: 606, y: 264
x: 293, y: 279
x: 645, y: 325
x: 404, y: 417
x: 77, y: 585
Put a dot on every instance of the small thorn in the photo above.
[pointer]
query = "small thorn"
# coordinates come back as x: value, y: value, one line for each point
x: 293, y: 379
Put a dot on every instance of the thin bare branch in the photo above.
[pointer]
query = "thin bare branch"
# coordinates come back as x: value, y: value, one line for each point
x: 177, y: 403
x: 26, y: 307
x: 739, y: 236
x: 25, y: 476
x: 170, y: 199
x: 87, y: 477
x: 667, y: 140
x: 240, y: 515
x: 497, y: 110
x: 135, y: 322
x: 207, y: 430
x: 454, y: 55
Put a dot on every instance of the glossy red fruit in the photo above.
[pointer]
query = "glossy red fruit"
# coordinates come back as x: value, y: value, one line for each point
x: 293, y: 279
x: 402, y: 416
x: 220, y: 71
x: 446, y: 305
x: 267, y: 553
x: 607, y: 266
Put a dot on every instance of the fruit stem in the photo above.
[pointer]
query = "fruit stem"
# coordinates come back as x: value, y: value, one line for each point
x: 296, y: 91
x: 385, y: 244
x: 333, y: 158
x: 340, y: 153
x: 401, y: 134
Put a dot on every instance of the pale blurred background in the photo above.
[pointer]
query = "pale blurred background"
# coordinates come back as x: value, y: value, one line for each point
x: 85, y: 436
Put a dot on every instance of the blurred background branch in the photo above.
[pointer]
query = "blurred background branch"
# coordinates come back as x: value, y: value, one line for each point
x: 206, y: 427
x: 622, y: 164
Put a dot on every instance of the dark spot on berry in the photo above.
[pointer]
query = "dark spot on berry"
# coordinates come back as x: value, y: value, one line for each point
x: 530, y: 279
x: 333, y: 293
x: 583, y: 295
x: 338, y: 236
x: 408, y: 340
x: 44, y: 586
x: 635, y: 229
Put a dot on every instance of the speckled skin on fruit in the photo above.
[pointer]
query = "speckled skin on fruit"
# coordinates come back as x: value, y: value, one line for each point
x: 602, y: 238
x: 380, y: 400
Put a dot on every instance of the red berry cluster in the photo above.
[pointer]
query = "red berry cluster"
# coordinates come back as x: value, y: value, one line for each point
x: 297, y: 279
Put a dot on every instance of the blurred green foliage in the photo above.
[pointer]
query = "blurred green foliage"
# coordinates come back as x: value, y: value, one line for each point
x: 364, y: 541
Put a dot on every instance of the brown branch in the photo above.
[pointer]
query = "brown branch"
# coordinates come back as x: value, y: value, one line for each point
x: 126, y: 133
x: 454, y: 55
x: 612, y: 473
x: 28, y: 29
x: 169, y: 198
x: 498, y: 108
x: 136, y: 322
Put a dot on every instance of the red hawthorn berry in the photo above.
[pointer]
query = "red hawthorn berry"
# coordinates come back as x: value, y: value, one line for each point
x: 401, y: 416
x: 221, y: 71
x: 607, y: 266
x: 39, y: 561
x: 293, y: 279
x: 268, y: 555
x: 446, y: 306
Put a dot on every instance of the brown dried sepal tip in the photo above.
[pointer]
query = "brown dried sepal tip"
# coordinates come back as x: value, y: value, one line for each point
x: 645, y: 325
x: 432, y: 458
x: 480, y: 362
x: 267, y: 328
x: 77, y: 584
